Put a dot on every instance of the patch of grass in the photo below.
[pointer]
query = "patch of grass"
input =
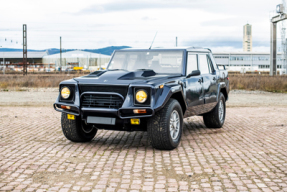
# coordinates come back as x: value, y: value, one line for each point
x: 3, y: 85
x: 19, y: 81
x: 237, y: 81
x: 268, y: 83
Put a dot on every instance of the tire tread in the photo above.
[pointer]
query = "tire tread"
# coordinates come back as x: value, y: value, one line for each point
x: 211, y: 119
x: 157, y: 125
x: 72, y: 129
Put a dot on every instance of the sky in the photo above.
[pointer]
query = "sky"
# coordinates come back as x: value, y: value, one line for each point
x: 90, y: 24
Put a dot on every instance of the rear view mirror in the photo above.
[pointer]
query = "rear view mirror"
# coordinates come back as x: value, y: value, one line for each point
x: 193, y: 73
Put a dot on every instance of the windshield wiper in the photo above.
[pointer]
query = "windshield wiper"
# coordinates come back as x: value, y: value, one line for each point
x: 117, y: 70
x: 144, y: 70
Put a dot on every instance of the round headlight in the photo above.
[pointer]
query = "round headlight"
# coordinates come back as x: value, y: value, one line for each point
x: 65, y: 92
x: 141, y: 96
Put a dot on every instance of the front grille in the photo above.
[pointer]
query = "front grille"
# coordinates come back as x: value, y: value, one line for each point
x: 102, y: 101
x: 122, y: 90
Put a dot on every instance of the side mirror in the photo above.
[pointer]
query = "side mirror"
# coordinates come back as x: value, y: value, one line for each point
x: 193, y: 73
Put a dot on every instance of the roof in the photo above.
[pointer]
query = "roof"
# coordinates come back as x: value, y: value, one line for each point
x: 15, y: 55
x: 77, y: 54
x: 243, y: 53
x: 197, y: 49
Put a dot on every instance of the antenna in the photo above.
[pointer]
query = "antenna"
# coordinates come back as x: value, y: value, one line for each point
x: 153, y: 40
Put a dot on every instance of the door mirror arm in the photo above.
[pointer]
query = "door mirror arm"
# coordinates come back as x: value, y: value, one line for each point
x: 193, y: 73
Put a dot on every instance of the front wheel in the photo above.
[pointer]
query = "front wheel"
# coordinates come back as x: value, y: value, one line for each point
x: 77, y: 131
x: 165, y: 128
x: 216, y: 117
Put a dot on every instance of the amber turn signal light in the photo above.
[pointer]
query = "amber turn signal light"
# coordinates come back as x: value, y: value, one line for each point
x: 65, y: 107
x: 136, y: 111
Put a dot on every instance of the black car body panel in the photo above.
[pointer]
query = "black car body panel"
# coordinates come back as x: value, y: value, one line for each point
x: 111, y: 93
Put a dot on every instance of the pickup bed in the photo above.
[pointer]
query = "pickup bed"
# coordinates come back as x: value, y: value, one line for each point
x: 145, y: 90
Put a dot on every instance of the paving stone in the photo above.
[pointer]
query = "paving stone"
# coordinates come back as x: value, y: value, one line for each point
x: 247, y: 154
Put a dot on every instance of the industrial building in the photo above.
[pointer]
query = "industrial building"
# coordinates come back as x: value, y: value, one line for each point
x: 249, y: 61
x: 14, y: 60
x: 247, y: 38
x: 41, y: 61
x: 71, y: 59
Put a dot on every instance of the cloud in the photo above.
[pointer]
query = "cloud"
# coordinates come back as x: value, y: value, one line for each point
x: 126, y: 5
x: 224, y: 22
x: 146, y: 18
x: 242, y: 7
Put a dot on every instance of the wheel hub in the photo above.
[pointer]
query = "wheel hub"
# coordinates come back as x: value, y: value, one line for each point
x: 221, y: 111
x: 174, y: 125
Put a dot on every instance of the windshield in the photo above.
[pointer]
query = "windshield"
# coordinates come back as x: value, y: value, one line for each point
x: 158, y: 61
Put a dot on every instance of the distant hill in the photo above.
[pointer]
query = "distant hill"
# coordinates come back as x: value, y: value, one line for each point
x: 18, y: 50
x: 105, y: 50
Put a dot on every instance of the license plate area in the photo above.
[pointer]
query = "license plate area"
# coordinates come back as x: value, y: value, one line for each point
x: 101, y: 120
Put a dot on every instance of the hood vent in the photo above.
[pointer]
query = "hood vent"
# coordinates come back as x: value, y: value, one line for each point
x: 140, y: 74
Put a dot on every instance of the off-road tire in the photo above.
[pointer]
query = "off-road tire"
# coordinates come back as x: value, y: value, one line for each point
x: 158, y: 127
x: 73, y: 131
x: 212, y: 119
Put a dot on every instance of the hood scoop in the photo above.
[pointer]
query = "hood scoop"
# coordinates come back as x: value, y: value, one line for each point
x: 96, y: 73
x: 139, y: 74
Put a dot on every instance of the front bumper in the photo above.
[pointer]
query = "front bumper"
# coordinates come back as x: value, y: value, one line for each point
x: 121, y: 113
x: 122, y: 116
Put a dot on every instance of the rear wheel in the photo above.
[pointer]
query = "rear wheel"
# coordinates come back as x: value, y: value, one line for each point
x: 216, y: 117
x: 77, y: 131
x: 165, y: 128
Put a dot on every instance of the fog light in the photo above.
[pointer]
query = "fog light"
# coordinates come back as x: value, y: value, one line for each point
x: 71, y: 117
x: 135, y: 121
x: 136, y: 111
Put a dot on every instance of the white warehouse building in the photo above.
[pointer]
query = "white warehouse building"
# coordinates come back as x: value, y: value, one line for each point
x: 84, y: 59
x: 249, y: 61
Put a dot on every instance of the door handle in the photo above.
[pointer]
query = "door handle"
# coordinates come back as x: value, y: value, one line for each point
x: 214, y: 78
x: 200, y: 80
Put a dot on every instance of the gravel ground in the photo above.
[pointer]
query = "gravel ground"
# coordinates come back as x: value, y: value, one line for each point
x: 47, y: 96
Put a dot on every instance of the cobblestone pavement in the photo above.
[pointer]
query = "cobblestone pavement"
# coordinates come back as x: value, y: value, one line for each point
x: 248, y: 154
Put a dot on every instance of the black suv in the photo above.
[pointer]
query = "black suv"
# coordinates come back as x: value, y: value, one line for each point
x: 145, y: 90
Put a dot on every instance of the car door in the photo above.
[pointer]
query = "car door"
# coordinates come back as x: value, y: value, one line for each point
x: 209, y: 81
x: 194, y: 89
x: 214, y: 81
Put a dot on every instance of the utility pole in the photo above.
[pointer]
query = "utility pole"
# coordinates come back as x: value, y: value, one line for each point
x: 3, y: 65
x: 252, y: 64
x: 24, y: 49
x: 273, y: 38
x: 61, y: 53
x: 176, y: 41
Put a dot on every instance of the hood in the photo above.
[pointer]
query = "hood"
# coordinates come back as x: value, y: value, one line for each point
x: 120, y: 77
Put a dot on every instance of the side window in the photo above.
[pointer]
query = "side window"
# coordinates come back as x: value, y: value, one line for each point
x: 191, y: 63
x: 210, y: 64
x: 203, y: 65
